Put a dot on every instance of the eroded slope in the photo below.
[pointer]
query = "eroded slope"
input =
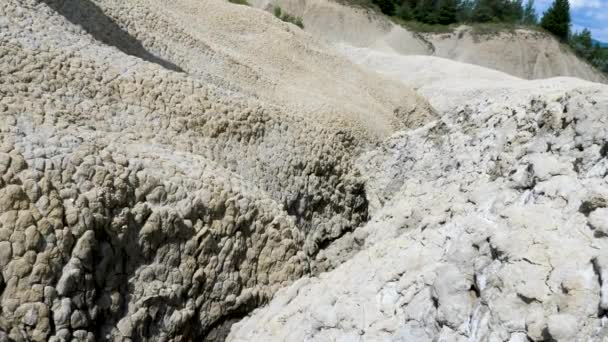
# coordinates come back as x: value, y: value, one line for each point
x: 144, y: 197
x: 488, y: 225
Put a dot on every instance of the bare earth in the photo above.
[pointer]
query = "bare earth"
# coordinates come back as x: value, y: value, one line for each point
x: 200, y: 170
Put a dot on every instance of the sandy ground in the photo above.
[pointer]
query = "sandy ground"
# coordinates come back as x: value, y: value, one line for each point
x: 447, y: 84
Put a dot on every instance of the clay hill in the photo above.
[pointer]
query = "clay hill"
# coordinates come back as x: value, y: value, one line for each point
x: 202, y: 170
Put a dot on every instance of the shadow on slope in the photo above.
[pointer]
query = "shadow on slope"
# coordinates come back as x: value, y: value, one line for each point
x: 92, y: 19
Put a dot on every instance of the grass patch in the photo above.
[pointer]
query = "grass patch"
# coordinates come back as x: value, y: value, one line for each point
x: 477, y: 29
x: 239, y: 2
x: 286, y: 17
x: 366, y: 4
x: 419, y: 27
x: 496, y: 28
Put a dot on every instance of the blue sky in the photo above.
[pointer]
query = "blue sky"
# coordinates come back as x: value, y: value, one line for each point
x: 592, y: 14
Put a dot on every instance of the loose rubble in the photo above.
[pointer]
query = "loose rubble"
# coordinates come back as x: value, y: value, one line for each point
x: 487, y: 225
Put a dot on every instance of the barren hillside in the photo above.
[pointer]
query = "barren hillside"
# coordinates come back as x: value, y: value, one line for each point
x: 488, y: 224
x: 201, y: 170
x: 160, y: 176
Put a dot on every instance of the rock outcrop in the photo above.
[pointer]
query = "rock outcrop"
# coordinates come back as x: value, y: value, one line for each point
x: 487, y: 225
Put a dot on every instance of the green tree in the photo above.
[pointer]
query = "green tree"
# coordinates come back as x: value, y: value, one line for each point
x: 483, y: 11
x: 529, y: 16
x: 447, y: 11
x: 386, y: 6
x: 514, y: 11
x: 426, y: 12
x: 465, y: 11
x: 600, y: 58
x: 582, y: 43
x: 557, y: 19
x: 405, y: 11
x: 498, y: 10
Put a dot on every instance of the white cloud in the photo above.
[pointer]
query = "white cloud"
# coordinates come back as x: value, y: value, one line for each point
x: 596, y: 15
x: 586, y: 3
x: 600, y: 15
x: 600, y: 34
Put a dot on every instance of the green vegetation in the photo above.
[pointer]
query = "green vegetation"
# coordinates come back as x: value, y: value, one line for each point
x: 239, y: 2
x: 288, y: 17
x: 557, y: 19
x: 278, y: 12
x: 529, y: 16
x: 484, y: 29
x: 420, y: 27
x: 446, y: 12
x: 585, y: 47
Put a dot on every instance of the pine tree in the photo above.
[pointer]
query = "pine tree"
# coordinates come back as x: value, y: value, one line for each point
x: 514, y: 11
x: 557, y: 19
x: 405, y: 11
x: 426, y: 12
x: 465, y: 11
x: 582, y: 43
x: 447, y: 10
x: 529, y: 16
x: 484, y: 11
x: 386, y: 6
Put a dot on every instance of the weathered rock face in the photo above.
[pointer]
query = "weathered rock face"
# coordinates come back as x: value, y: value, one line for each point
x: 487, y: 225
x: 142, y: 202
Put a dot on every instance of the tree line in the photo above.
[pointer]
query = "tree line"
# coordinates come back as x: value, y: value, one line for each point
x: 582, y: 43
x: 556, y: 19
x: 445, y: 12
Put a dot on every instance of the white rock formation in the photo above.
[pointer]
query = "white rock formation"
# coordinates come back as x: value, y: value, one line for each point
x: 487, y: 224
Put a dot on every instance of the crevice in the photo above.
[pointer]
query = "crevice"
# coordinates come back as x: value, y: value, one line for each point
x: 598, y: 234
x: 527, y: 300
x: 475, y: 290
x: 590, y: 205
x: 435, y: 302
x: 92, y: 19
x: 495, y: 253
x: 531, y: 262
x: 219, y: 330
x: 597, y: 269
x: 576, y: 165
x: 361, y: 208
x: 564, y: 289
x: 2, y: 284
x: 604, y: 150
x: 547, y: 336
